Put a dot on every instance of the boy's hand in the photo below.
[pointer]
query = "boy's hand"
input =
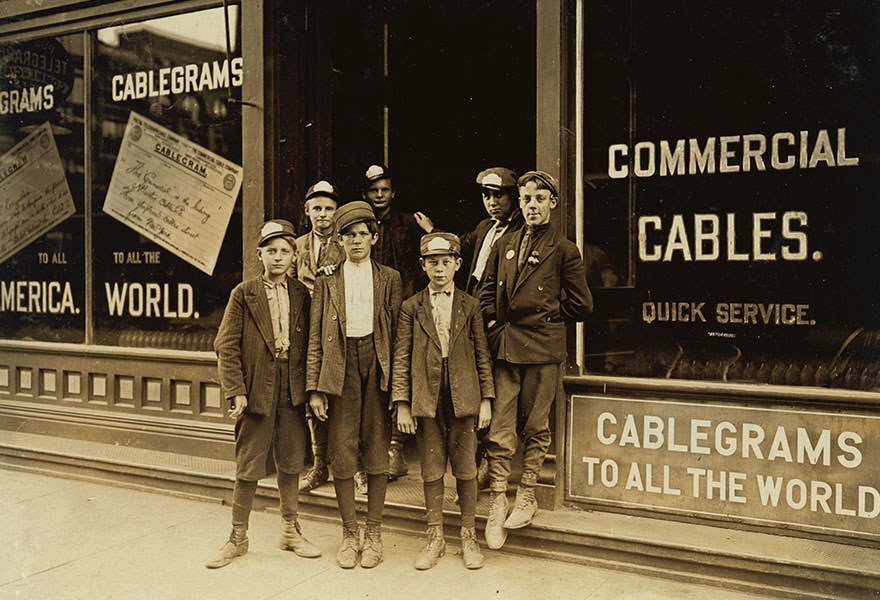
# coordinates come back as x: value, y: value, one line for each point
x: 424, y: 221
x: 485, y: 414
x: 405, y: 421
x: 318, y: 404
x: 327, y: 269
x: 239, y: 403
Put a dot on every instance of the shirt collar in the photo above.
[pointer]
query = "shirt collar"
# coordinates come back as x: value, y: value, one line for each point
x: 268, y: 284
x: 446, y: 289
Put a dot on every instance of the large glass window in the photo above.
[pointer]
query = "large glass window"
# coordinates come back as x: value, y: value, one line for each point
x: 173, y: 75
x: 731, y: 167
x: 42, y: 277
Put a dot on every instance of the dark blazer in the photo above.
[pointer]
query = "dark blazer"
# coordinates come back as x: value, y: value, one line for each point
x: 306, y: 268
x: 471, y: 244
x: 325, y: 365
x: 398, y: 248
x: 415, y: 375
x: 245, y: 345
x: 531, y: 307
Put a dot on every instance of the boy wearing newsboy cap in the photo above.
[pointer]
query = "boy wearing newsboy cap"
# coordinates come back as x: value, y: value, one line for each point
x: 348, y: 371
x: 261, y: 354
x: 440, y: 332
x: 535, y: 283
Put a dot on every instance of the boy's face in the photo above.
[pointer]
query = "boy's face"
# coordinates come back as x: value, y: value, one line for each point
x: 357, y: 241
x: 276, y: 255
x: 536, y: 204
x: 497, y: 202
x: 440, y: 268
x: 321, y: 210
x: 379, y: 194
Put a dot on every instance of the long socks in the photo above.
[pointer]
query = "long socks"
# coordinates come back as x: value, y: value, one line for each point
x: 288, y: 489
x: 345, y: 500
x: 434, y: 492
x: 376, y: 487
x: 467, y: 500
x: 242, y: 500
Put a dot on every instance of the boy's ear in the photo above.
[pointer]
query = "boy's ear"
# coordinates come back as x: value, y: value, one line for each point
x: 457, y: 263
x: 422, y: 262
x: 553, y: 202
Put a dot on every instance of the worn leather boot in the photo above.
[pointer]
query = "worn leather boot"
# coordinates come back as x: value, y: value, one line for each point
x: 316, y: 476
x: 495, y: 533
x: 397, y: 466
x: 347, y: 555
x: 372, y: 553
x: 524, y: 508
x: 292, y: 539
x: 470, y: 549
x: 435, y: 547
x: 236, y: 546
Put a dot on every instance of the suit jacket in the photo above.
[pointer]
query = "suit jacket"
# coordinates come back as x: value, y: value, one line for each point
x: 245, y: 345
x: 531, y: 307
x: 473, y: 241
x: 415, y: 375
x: 325, y: 365
x: 306, y: 267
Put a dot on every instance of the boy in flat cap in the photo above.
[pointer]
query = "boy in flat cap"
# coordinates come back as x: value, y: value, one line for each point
x: 318, y: 251
x: 441, y: 332
x: 261, y: 350
x: 348, y: 371
x: 397, y: 246
x: 535, y: 283
x: 499, y: 193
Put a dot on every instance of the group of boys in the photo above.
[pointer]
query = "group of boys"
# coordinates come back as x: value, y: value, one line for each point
x: 340, y: 343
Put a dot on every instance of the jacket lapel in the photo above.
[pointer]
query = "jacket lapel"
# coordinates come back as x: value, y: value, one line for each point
x: 378, y: 293
x: 543, y: 250
x: 259, y: 307
x: 457, y: 323
x: 336, y: 285
x: 507, y: 260
x: 311, y: 250
x: 425, y: 316
x: 295, y: 305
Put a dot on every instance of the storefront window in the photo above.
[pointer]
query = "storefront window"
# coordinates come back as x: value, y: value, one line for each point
x: 167, y: 224
x: 731, y: 179
x: 42, y: 278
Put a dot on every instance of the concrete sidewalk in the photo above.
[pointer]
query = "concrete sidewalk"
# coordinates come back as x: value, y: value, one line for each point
x: 75, y: 539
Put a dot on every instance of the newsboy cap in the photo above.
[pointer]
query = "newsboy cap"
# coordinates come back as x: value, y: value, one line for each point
x: 496, y: 178
x: 323, y: 188
x: 439, y: 243
x: 276, y: 228
x: 352, y: 213
x: 542, y: 177
x: 375, y: 172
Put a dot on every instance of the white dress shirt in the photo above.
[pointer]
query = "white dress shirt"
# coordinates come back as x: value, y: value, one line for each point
x: 358, y: 298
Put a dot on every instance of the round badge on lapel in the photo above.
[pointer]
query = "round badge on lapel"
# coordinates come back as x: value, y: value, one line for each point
x: 509, y: 254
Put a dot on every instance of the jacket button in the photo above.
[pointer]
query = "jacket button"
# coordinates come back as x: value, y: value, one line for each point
x: 540, y: 288
x: 333, y: 317
x: 329, y: 338
x: 500, y: 283
x: 538, y: 309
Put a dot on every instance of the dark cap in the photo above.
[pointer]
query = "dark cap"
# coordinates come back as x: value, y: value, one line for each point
x: 323, y: 188
x: 277, y: 228
x: 440, y: 243
x: 374, y: 173
x: 352, y: 213
x: 496, y: 178
x: 543, y: 177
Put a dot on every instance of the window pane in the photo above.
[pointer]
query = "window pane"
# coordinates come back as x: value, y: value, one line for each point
x: 731, y: 163
x: 173, y: 72
x: 42, y: 283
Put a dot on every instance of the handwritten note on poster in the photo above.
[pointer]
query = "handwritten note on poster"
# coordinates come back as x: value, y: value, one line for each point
x: 173, y: 191
x: 34, y: 194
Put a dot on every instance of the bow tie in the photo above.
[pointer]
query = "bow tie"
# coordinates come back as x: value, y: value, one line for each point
x: 443, y: 292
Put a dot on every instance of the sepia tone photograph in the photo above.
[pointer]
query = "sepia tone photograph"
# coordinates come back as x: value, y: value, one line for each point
x: 440, y: 298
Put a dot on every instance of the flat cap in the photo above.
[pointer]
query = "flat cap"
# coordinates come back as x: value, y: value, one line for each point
x: 375, y: 172
x: 542, y: 178
x: 440, y: 243
x: 323, y: 188
x: 496, y: 178
x: 352, y: 213
x: 276, y: 228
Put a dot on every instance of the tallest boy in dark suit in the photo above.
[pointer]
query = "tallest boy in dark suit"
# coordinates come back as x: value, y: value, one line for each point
x: 535, y: 282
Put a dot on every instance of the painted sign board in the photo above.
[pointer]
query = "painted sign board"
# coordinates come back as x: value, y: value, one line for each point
x: 814, y: 470
x: 173, y: 191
